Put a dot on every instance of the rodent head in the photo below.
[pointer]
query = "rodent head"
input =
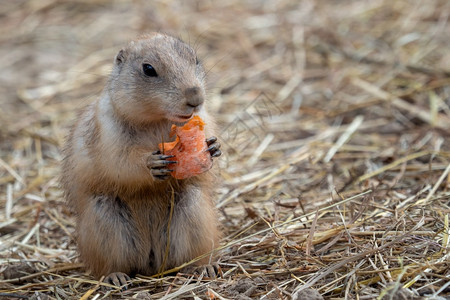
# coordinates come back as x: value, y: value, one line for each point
x: 154, y: 78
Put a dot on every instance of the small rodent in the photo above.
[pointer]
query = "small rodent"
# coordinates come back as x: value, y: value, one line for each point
x: 119, y: 185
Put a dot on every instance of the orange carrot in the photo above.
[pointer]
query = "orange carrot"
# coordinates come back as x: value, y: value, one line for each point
x: 189, y: 149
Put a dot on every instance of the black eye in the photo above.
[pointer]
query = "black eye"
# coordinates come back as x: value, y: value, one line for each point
x: 149, y: 70
x: 197, y: 62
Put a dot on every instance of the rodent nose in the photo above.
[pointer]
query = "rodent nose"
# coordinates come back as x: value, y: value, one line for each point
x: 193, y: 96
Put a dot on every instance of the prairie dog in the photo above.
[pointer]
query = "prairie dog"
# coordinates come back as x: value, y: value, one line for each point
x: 116, y: 181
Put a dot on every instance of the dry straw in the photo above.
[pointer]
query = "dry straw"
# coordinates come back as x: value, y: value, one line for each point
x: 335, y: 119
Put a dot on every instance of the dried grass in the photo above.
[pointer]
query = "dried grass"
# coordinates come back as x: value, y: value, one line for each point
x: 335, y: 118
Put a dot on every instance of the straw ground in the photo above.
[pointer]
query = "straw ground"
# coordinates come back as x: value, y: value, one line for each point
x: 335, y: 119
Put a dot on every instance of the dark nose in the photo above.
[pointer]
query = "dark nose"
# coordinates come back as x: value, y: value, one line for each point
x: 193, y: 96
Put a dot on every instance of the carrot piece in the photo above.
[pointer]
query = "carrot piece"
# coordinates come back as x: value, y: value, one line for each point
x: 189, y: 149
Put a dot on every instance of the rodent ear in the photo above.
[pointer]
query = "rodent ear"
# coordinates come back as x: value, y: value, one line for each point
x: 120, y: 57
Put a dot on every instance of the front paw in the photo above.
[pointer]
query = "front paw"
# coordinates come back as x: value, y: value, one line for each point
x: 213, y: 147
x: 158, y: 165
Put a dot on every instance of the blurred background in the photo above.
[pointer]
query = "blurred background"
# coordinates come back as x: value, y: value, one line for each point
x: 317, y: 101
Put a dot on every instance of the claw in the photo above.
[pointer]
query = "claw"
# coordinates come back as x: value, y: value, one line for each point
x: 166, y: 156
x: 118, y: 279
x: 217, y: 153
x: 211, y: 140
x: 211, y: 271
x: 159, y: 172
x: 158, y: 163
x: 168, y: 162
x: 214, y: 146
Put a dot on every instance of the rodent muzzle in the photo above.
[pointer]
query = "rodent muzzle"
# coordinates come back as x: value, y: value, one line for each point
x: 194, y: 96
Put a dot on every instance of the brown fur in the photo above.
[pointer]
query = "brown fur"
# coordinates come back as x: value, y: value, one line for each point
x: 122, y: 210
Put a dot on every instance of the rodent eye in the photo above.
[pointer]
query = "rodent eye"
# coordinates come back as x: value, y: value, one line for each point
x: 197, y: 61
x: 149, y: 70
